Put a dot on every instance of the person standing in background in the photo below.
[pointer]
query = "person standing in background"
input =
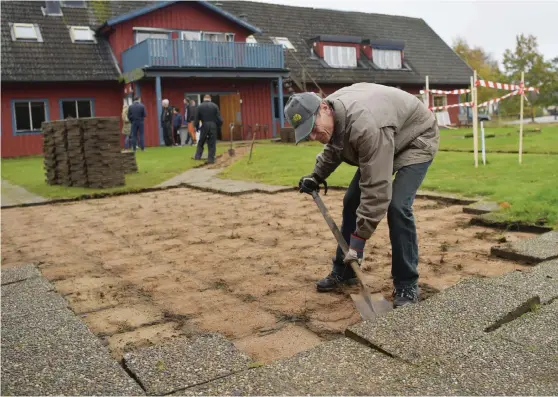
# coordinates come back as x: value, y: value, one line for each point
x: 136, y: 115
x: 126, y: 127
x: 192, y: 111
x: 176, y: 124
x: 210, y: 115
x: 166, y: 122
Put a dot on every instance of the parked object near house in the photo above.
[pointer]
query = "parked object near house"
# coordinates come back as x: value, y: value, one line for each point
x: 67, y: 59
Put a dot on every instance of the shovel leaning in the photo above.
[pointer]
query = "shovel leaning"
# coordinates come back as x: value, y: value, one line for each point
x: 368, y: 304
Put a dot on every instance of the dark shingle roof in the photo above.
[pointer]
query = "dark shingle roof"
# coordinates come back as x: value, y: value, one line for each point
x: 425, y: 51
x: 57, y: 58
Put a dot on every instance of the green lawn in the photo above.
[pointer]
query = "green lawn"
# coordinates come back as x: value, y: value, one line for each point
x: 155, y: 165
x: 530, y: 188
x: 506, y: 139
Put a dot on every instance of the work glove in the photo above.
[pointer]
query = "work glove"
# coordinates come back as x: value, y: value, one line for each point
x: 311, y: 183
x: 356, y: 250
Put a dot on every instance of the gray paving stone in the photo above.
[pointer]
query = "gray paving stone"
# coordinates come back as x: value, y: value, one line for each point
x: 534, y: 250
x: 27, y: 286
x: 496, y: 366
x: 15, y: 195
x: 30, y: 300
x: 448, y: 321
x: 19, y: 273
x: 56, y: 354
x: 537, y: 331
x: 482, y: 207
x: 541, y: 280
x: 185, y: 362
x: 338, y: 367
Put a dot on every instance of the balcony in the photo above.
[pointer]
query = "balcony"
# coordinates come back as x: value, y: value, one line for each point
x: 163, y: 53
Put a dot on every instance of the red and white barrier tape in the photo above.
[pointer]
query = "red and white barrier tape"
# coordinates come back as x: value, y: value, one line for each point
x: 496, y: 100
x: 466, y: 104
x: 453, y: 92
x: 503, y: 86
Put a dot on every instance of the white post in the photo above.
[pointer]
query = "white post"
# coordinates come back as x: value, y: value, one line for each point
x: 521, y: 118
x: 427, y: 93
x: 475, y: 120
x: 482, y: 144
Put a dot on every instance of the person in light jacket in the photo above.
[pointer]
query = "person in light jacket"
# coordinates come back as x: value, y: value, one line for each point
x: 380, y: 130
x: 126, y: 127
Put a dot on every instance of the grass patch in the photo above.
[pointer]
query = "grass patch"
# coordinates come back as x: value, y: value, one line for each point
x: 530, y: 188
x: 155, y: 165
x: 504, y: 139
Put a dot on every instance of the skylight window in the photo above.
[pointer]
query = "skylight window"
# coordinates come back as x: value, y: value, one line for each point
x: 251, y: 39
x: 26, y: 31
x: 285, y: 42
x: 73, y: 4
x: 81, y: 34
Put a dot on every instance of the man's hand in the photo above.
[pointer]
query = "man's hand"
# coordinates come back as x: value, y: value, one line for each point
x: 309, y: 183
x: 356, y: 250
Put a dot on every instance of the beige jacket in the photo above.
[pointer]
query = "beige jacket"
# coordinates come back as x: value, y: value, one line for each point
x: 379, y: 129
x: 126, y: 125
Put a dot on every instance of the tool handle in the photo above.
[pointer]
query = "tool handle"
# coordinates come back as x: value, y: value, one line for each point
x: 331, y: 223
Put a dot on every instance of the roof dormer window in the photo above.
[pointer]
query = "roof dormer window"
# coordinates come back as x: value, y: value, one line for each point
x: 285, y: 42
x: 82, y: 34
x: 340, y: 57
x: 387, y: 54
x: 25, y: 32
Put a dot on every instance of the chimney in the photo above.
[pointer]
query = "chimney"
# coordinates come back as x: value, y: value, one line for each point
x: 52, y: 8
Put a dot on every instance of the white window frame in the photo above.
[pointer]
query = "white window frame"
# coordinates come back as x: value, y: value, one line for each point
x: 379, y: 55
x: 75, y: 101
x: 227, y: 37
x: 444, y: 100
x: 340, y: 56
x: 187, y: 32
x: 285, y: 42
x: 150, y: 31
x: 35, y: 27
x: 74, y: 29
x: 251, y: 39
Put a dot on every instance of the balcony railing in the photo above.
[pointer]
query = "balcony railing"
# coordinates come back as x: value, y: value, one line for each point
x: 202, y: 54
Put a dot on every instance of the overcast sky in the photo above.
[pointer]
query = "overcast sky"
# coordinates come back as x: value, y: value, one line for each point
x: 492, y: 25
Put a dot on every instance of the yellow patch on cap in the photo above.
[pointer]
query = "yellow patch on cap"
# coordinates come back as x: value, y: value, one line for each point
x: 297, y: 117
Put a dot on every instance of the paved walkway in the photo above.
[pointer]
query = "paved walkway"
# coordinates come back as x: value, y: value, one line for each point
x: 14, y: 195
x: 483, y: 336
x: 207, y: 179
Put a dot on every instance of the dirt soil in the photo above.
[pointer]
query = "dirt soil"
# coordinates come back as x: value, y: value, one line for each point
x: 142, y: 268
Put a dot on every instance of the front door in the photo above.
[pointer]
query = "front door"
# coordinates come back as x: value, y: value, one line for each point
x: 230, y: 110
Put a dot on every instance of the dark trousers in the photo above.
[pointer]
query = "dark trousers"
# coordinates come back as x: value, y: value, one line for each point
x: 167, y: 134
x: 137, y: 133
x: 208, y: 133
x: 401, y: 222
x: 176, y: 135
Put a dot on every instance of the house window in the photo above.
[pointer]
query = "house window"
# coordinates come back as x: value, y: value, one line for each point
x: 439, y: 100
x: 76, y: 108
x: 73, y: 4
x: 340, y: 57
x: 26, y: 32
x: 276, y: 109
x: 81, y: 34
x: 142, y: 35
x: 28, y: 115
x: 251, y: 39
x: 219, y: 37
x: 387, y: 59
x: 285, y: 42
x: 190, y: 35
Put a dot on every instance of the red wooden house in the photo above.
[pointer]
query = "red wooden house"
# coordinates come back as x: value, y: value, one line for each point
x: 83, y: 59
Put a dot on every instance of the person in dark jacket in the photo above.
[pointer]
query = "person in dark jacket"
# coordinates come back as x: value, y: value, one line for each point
x: 192, y: 110
x: 176, y: 124
x: 166, y: 122
x: 136, y: 115
x: 210, y: 116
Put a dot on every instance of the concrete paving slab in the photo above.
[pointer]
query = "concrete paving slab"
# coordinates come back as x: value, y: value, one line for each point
x: 31, y: 300
x: 534, y: 250
x: 496, y: 366
x: 338, y: 367
x: 19, y: 273
x: 185, y: 362
x: 30, y: 285
x: 15, y: 195
x: 448, y: 321
x: 191, y: 176
x: 56, y: 354
x: 482, y: 207
x: 536, y: 331
x: 541, y: 280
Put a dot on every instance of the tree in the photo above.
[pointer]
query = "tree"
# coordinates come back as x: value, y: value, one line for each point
x: 539, y: 73
x: 481, y: 61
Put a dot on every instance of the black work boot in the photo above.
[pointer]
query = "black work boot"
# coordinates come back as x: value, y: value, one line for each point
x: 339, y: 276
x: 405, y: 295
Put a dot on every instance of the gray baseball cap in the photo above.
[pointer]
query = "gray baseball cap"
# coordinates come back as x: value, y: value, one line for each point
x: 300, y: 110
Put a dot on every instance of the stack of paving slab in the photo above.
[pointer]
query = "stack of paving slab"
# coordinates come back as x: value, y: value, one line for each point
x: 129, y: 162
x: 83, y: 152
